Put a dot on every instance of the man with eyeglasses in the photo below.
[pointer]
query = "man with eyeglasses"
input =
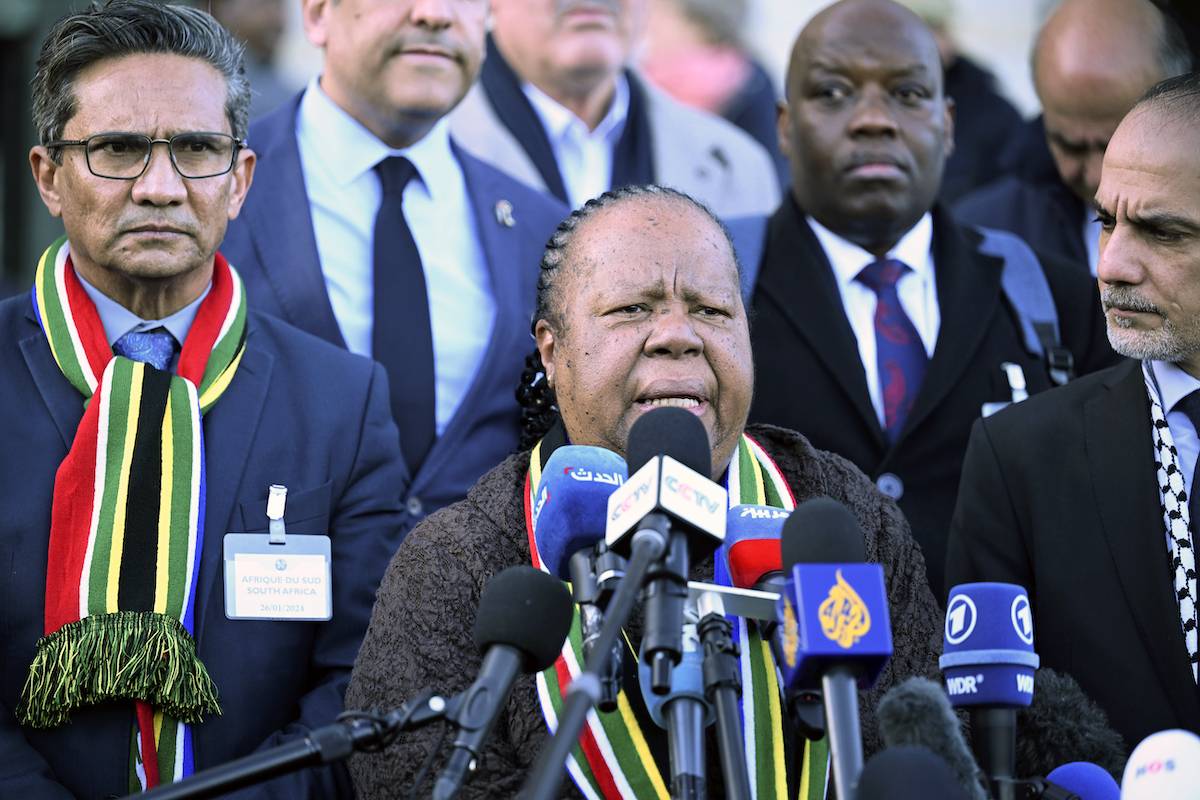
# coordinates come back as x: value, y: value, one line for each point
x: 154, y: 430
x: 371, y: 228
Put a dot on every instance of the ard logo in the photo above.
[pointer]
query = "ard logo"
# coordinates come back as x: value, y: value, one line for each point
x: 791, y: 634
x: 844, y: 616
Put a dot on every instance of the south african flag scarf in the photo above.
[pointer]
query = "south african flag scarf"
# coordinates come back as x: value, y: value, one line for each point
x: 127, y: 523
x: 613, y: 759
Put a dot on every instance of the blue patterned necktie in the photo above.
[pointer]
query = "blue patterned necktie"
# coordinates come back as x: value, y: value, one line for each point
x: 155, y: 347
x: 899, y: 353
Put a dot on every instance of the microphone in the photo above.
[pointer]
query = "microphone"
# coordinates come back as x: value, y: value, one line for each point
x: 834, y: 628
x: 753, y: 557
x: 571, y: 503
x: 917, y: 712
x: 908, y: 772
x: 670, y: 498
x: 988, y: 663
x: 524, y: 617
x: 1086, y: 780
x: 1062, y: 725
x: 1164, y: 766
x: 685, y: 713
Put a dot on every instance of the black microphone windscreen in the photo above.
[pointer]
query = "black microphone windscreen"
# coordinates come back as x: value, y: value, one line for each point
x: 1062, y: 725
x: 669, y: 432
x: 821, y: 531
x: 908, y: 773
x: 526, y: 609
x: 918, y: 712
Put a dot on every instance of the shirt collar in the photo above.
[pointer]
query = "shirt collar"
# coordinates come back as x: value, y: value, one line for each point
x: 848, y: 259
x: 559, y: 120
x: 118, y: 320
x: 347, y: 150
x: 1173, y: 383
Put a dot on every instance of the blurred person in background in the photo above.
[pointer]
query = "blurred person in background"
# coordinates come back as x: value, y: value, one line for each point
x: 1091, y: 62
x: 984, y: 121
x: 558, y: 107
x: 259, y: 24
x: 695, y: 52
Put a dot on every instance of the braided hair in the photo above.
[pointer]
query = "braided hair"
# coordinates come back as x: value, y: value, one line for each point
x: 539, y: 407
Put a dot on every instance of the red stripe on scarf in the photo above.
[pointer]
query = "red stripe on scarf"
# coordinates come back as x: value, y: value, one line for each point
x: 71, y: 513
x: 193, y: 358
x: 82, y: 311
x: 587, y: 741
x: 145, y: 723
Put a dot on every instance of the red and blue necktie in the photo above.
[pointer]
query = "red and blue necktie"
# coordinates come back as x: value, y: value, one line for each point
x: 899, y: 353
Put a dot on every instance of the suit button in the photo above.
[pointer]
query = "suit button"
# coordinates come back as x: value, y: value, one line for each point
x: 890, y: 485
x: 414, y: 506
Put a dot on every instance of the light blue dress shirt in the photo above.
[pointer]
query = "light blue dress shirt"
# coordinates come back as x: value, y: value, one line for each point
x: 1173, y: 385
x: 338, y: 156
x: 119, y: 320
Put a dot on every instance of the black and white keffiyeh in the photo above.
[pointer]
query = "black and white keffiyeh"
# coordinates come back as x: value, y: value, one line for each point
x: 1173, y: 499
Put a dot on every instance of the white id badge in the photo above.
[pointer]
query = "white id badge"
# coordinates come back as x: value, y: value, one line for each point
x: 287, y: 581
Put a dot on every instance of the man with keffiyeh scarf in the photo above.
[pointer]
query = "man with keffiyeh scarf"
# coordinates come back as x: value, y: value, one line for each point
x: 146, y: 413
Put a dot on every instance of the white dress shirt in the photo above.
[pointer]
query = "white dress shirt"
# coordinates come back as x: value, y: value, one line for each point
x: 585, y: 158
x: 338, y: 156
x: 917, y: 290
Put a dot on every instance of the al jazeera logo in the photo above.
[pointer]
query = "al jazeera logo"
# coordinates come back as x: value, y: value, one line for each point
x: 791, y: 633
x: 843, y: 614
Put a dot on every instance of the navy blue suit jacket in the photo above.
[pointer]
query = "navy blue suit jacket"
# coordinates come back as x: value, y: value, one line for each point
x: 273, y: 246
x: 298, y: 412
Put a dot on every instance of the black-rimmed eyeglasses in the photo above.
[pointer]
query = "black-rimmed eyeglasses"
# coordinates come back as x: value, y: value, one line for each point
x: 125, y: 156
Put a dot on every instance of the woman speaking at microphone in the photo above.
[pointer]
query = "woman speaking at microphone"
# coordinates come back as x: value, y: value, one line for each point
x: 638, y: 307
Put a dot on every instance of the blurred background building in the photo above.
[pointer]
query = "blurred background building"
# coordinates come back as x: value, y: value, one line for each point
x: 740, y: 47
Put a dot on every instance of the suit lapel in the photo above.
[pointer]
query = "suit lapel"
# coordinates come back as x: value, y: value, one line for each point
x: 797, y: 274
x: 280, y: 224
x: 62, y: 400
x: 1119, y: 456
x: 968, y: 289
x: 229, y: 429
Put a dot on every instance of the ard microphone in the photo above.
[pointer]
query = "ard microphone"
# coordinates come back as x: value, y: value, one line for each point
x: 988, y: 663
x: 834, y: 625
x: 524, y: 616
x: 917, y: 712
x: 571, y: 503
x: 667, y: 498
x: 1164, y: 766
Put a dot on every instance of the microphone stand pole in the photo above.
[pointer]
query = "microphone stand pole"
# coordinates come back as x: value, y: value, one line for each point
x: 723, y: 688
x: 649, y: 545
x: 354, y: 730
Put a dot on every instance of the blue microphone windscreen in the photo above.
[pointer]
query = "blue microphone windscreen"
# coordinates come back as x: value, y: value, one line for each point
x: 822, y: 531
x: 1087, y: 780
x: 988, y: 657
x: 669, y: 432
x: 528, y: 610
x: 571, y: 503
x: 908, y: 773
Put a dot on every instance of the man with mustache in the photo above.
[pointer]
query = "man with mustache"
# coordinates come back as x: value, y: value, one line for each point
x: 150, y: 628
x: 558, y: 107
x: 881, y: 328
x: 371, y: 228
x: 1085, y: 494
x: 1093, y: 59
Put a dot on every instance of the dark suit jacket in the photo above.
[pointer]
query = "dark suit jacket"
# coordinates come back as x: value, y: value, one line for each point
x: 273, y: 246
x: 809, y: 375
x: 1060, y: 495
x: 1030, y: 200
x: 298, y: 413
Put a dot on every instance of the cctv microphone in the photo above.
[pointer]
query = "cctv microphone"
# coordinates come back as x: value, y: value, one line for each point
x: 834, y: 627
x: 1164, y: 766
x: 524, y: 617
x: 908, y: 772
x: 917, y: 712
x: 988, y: 663
x: 670, y: 498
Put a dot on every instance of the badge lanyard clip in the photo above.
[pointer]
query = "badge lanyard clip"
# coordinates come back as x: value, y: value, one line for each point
x: 276, y: 500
